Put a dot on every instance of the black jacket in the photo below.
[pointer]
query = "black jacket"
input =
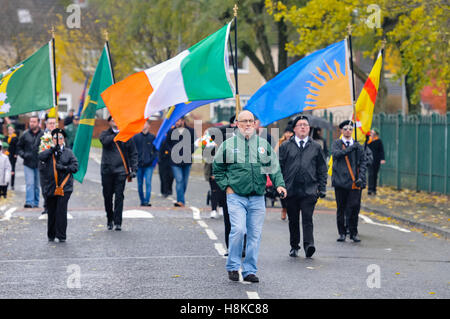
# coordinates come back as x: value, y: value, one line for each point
x: 377, y: 150
x: 179, y: 158
x: 341, y: 176
x: 66, y: 164
x: 28, y: 147
x: 112, y: 162
x: 304, y: 170
x: 146, y: 151
x: 12, y: 148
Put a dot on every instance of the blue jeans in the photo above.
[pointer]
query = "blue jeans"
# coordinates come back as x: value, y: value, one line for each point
x: 181, y: 175
x: 246, y: 217
x: 32, y: 186
x: 145, y: 173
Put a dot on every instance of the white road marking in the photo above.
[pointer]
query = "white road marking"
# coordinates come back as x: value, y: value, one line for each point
x: 44, y: 216
x: 3, y: 261
x: 220, y: 249
x: 3, y: 207
x: 202, y: 223
x: 135, y: 213
x: 8, y: 213
x: 210, y: 234
x: 369, y: 221
x: 195, y: 212
x: 253, y: 295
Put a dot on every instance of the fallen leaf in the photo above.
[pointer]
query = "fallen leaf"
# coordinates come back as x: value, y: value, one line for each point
x: 176, y: 276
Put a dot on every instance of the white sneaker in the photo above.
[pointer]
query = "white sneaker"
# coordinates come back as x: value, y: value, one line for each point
x: 220, y: 211
x: 213, y: 214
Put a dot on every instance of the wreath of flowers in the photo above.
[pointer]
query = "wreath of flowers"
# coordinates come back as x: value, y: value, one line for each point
x: 46, y: 142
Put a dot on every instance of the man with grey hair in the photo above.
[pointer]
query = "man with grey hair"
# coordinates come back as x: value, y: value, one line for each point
x: 240, y: 167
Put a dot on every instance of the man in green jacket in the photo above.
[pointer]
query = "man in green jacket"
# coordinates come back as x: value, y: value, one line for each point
x: 240, y: 168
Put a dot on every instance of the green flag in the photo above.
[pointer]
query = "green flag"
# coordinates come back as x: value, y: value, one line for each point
x: 30, y: 85
x: 103, y: 78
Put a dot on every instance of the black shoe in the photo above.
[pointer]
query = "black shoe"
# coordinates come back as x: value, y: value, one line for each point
x: 148, y: 205
x: 226, y: 254
x: 310, y: 251
x: 251, y: 278
x: 51, y: 239
x: 355, y: 238
x: 62, y: 240
x: 233, y: 275
x: 243, y: 254
x: 27, y: 206
x: 118, y: 227
x: 110, y: 226
x: 44, y: 212
x: 341, y: 238
x: 293, y: 252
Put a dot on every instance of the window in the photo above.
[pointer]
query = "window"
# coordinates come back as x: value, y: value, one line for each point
x: 24, y: 16
x: 64, y: 104
x: 223, y: 110
x: 243, y: 63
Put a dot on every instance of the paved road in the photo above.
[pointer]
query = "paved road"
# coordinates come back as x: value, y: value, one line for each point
x: 164, y: 252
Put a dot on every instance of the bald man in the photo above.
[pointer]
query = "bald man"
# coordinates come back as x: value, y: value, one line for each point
x: 240, y: 168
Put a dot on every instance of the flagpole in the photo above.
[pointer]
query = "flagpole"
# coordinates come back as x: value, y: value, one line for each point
x: 349, y: 28
x: 238, y: 101
x: 55, y: 98
x: 109, y: 56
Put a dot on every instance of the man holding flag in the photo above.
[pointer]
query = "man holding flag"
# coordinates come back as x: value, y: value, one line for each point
x: 348, y: 179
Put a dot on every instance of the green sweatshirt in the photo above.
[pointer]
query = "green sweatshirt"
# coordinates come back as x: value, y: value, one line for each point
x: 243, y: 164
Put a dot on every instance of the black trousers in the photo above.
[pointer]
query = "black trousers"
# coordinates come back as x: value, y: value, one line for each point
x: 218, y: 196
x: 348, y: 204
x: 165, y: 177
x: 305, y: 205
x: 57, y: 216
x: 3, y: 191
x: 113, y: 187
x: 13, y: 161
x: 373, y: 176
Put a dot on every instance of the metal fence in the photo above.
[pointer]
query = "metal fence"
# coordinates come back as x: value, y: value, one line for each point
x: 416, y: 150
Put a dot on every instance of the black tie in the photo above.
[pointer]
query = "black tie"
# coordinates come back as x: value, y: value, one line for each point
x: 301, y: 144
x: 348, y: 144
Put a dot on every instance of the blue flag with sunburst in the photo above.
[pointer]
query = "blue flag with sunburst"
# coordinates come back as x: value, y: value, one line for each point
x: 319, y: 80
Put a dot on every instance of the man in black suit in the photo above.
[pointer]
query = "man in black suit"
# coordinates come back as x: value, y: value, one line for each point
x: 119, y: 162
x: 348, y: 179
x: 304, y: 171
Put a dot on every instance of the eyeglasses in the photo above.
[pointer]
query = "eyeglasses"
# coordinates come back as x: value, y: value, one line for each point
x: 302, y: 125
x: 348, y: 128
x: 60, y: 137
x: 247, y: 121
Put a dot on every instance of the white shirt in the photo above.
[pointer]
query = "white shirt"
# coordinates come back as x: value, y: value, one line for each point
x: 297, y: 140
x: 345, y: 141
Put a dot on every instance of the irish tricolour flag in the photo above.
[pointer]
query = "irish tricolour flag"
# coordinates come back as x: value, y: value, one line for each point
x: 199, y: 73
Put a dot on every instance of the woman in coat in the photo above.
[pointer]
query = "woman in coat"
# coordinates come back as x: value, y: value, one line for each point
x: 58, y: 164
x: 12, y: 140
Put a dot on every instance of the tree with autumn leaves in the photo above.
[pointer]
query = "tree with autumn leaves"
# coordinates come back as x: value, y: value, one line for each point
x: 416, y: 32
